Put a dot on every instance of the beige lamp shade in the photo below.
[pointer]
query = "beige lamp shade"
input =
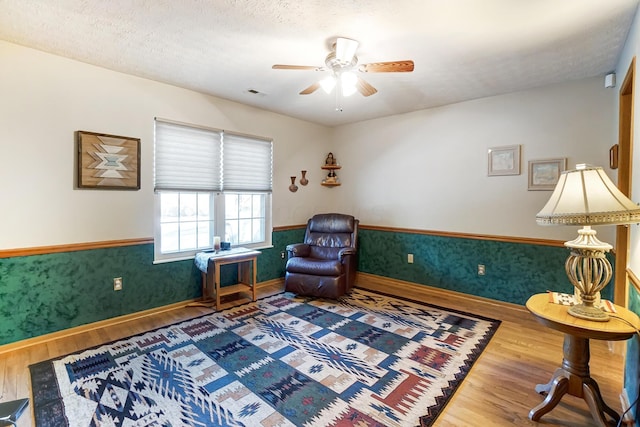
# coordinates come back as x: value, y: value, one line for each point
x: 586, y: 196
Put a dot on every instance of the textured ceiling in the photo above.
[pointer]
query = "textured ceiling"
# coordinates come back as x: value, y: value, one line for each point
x: 462, y: 49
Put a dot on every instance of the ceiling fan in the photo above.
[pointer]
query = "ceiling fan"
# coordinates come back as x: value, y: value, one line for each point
x: 342, y: 62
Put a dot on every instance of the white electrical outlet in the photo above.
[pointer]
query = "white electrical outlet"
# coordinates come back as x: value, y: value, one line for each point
x: 481, y: 270
x: 410, y: 258
x: 117, y: 283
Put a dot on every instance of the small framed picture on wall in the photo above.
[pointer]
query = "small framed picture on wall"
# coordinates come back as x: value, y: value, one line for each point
x: 544, y: 174
x: 504, y: 160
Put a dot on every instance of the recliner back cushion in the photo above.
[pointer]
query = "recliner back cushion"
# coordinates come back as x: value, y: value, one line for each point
x: 331, y: 223
x: 336, y: 240
x: 328, y: 233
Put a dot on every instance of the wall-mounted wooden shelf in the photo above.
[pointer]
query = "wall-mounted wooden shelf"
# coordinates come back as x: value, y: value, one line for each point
x: 331, y: 165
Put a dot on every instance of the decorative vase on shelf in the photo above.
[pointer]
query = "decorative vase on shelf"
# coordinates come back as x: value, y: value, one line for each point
x: 304, y: 180
x: 293, y: 187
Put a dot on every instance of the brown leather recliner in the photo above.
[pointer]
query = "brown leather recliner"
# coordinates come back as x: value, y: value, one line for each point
x: 325, y: 264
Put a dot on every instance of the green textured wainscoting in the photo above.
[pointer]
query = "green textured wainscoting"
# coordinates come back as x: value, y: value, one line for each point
x: 270, y: 263
x: 632, y: 364
x: 514, y: 271
x: 41, y: 294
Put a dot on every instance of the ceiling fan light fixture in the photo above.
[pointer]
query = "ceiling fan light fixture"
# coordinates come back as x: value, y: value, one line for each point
x: 328, y: 83
x: 348, y: 81
x: 342, y: 64
x: 345, y: 50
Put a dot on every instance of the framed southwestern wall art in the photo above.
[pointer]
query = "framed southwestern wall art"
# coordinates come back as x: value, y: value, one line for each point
x: 108, y: 161
x: 504, y: 160
x: 544, y: 174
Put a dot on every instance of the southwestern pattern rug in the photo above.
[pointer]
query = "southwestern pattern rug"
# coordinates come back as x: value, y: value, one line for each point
x: 364, y: 360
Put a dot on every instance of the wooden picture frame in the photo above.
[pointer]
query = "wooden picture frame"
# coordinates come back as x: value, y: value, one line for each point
x: 544, y: 173
x: 109, y: 162
x: 504, y: 160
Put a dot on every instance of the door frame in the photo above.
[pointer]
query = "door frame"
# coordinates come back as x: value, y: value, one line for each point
x: 625, y: 156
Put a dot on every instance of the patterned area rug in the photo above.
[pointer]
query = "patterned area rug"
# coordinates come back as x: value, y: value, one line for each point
x: 364, y: 360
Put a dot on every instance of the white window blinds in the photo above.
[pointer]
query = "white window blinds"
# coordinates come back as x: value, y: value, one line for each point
x: 247, y: 163
x: 189, y: 158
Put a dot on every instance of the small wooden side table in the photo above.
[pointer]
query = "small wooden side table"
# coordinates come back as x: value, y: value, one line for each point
x: 573, y: 376
x: 209, y: 264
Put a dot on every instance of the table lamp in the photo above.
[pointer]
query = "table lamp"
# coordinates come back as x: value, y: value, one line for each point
x: 586, y: 196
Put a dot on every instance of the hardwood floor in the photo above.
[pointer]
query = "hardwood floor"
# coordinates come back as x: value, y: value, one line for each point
x: 499, y: 390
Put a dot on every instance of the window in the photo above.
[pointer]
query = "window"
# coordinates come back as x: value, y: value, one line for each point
x: 209, y: 183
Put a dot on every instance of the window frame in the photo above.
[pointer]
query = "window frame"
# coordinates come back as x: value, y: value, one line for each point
x: 219, y: 220
x: 268, y: 229
x: 218, y: 213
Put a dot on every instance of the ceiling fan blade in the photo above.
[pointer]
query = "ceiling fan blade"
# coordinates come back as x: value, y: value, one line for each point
x: 387, y: 67
x: 296, y: 67
x: 345, y: 49
x: 310, y: 89
x: 365, y: 88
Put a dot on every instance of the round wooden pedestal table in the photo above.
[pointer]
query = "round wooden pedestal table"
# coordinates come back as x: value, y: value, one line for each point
x: 573, y: 376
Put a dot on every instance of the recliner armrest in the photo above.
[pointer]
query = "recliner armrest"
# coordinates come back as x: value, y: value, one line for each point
x: 346, y: 251
x: 298, y: 249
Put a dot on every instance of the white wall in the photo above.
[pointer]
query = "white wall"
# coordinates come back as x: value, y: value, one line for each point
x: 428, y: 169
x: 424, y: 170
x: 44, y: 99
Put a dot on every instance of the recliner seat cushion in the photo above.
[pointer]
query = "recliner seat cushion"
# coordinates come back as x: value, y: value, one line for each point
x: 319, y: 286
x: 315, y: 266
